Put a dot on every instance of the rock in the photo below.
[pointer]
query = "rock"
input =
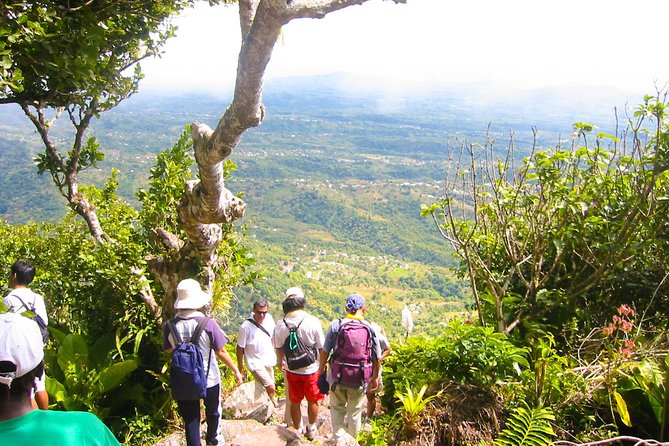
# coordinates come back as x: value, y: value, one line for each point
x: 176, y: 439
x: 253, y: 433
x: 248, y: 402
x: 344, y: 440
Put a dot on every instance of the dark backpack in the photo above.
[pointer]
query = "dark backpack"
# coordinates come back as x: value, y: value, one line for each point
x: 297, y: 354
x: 32, y: 314
x: 351, y: 360
x: 188, y: 377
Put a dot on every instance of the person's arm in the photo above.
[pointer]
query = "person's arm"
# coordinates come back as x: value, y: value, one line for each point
x: 279, y: 358
x: 327, y: 345
x: 240, y: 361
x: 374, y: 380
x: 224, y: 356
x: 42, y: 399
x: 323, y: 361
x: 168, y: 347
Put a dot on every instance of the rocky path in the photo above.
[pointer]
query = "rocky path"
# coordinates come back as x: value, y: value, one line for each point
x: 251, y: 420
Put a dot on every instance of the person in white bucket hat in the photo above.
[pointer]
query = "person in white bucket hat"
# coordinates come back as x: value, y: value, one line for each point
x: 21, y: 359
x: 190, y: 299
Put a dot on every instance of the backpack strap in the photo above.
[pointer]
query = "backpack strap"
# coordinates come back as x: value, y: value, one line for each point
x: 254, y: 322
x: 196, y: 338
x: 293, y: 330
x: 198, y: 330
x: 171, y: 326
x: 23, y: 304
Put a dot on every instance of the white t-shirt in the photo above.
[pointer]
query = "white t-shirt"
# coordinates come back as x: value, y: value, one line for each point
x: 310, y: 332
x: 258, y: 348
x: 30, y: 298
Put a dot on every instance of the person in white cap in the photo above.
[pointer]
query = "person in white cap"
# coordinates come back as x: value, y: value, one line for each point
x: 21, y: 360
x: 303, y: 381
x: 190, y: 299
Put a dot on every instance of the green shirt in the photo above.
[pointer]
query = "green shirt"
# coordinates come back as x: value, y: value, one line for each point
x: 56, y: 428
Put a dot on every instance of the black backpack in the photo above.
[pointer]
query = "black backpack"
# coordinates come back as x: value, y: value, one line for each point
x: 32, y: 314
x: 297, y: 354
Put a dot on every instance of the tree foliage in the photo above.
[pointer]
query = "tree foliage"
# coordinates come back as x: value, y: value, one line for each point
x: 539, y: 239
x: 65, y: 54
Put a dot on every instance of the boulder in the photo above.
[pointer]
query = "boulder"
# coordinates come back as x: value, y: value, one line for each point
x: 248, y: 401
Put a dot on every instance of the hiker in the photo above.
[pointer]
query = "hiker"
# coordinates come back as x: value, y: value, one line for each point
x: 255, y: 346
x: 298, y: 337
x: 22, y: 299
x: 190, y: 323
x: 353, y: 351
x: 384, y: 344
x: 21, y: 360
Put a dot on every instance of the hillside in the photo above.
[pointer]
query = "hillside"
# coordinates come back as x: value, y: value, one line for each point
x: 334, y: 179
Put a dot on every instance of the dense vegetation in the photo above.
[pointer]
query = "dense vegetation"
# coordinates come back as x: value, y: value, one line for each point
x: 335, y: 219
x: 570, y: 344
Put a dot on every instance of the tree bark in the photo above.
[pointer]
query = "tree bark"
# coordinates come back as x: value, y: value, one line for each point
x: 207, y: 204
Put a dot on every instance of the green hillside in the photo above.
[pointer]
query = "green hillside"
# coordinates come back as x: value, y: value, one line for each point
x: 333, y: 179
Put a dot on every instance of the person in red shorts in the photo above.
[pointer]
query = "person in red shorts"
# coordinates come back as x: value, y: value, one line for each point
x: 302, y: 382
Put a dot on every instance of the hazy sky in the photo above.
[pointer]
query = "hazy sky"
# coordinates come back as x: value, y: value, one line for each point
x: 524, y: 43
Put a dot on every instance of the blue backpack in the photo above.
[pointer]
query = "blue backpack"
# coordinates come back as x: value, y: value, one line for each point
x: 188, y: 377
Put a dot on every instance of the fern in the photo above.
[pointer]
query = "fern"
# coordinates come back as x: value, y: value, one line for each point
x: 528, y: 427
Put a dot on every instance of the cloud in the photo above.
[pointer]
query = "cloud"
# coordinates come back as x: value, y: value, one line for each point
x: 525, y: 43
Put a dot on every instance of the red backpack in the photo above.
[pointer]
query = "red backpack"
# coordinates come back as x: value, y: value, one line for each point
x: 351, y: 360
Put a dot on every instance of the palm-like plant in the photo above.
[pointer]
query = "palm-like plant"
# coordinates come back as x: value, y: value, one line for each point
x: 413, y: 406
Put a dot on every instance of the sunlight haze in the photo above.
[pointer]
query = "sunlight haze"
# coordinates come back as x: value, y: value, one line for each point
x: 522, y: 43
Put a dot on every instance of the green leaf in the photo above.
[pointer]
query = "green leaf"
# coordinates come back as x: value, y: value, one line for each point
x: 115, y: 374
x: 621, y: 405
x: 73, y: 354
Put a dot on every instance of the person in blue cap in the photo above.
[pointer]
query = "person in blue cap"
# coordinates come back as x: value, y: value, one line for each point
x: 352, y: 352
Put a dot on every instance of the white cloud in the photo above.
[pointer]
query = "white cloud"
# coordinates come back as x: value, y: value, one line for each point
x: 521, y: 42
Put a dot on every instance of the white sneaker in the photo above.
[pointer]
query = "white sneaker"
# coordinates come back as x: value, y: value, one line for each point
x: 311, y: 432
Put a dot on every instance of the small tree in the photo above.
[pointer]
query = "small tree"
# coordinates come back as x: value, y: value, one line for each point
x: 536, y: 239
x: 73, y: 58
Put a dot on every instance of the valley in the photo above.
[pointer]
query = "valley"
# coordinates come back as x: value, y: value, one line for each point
x: 333, y: 180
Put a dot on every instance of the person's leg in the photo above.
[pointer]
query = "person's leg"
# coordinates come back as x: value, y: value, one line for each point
x: 271, y: 386
x: 313, y: 395
x: 338, y: 411
x: 264, y: 378
x: 190, y: 412
x: 286, y: 415
x: 296, y: 395
x: 296, y: 414
x: 312, y: 411
x: 354, y: 406
x: 212, y: 408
